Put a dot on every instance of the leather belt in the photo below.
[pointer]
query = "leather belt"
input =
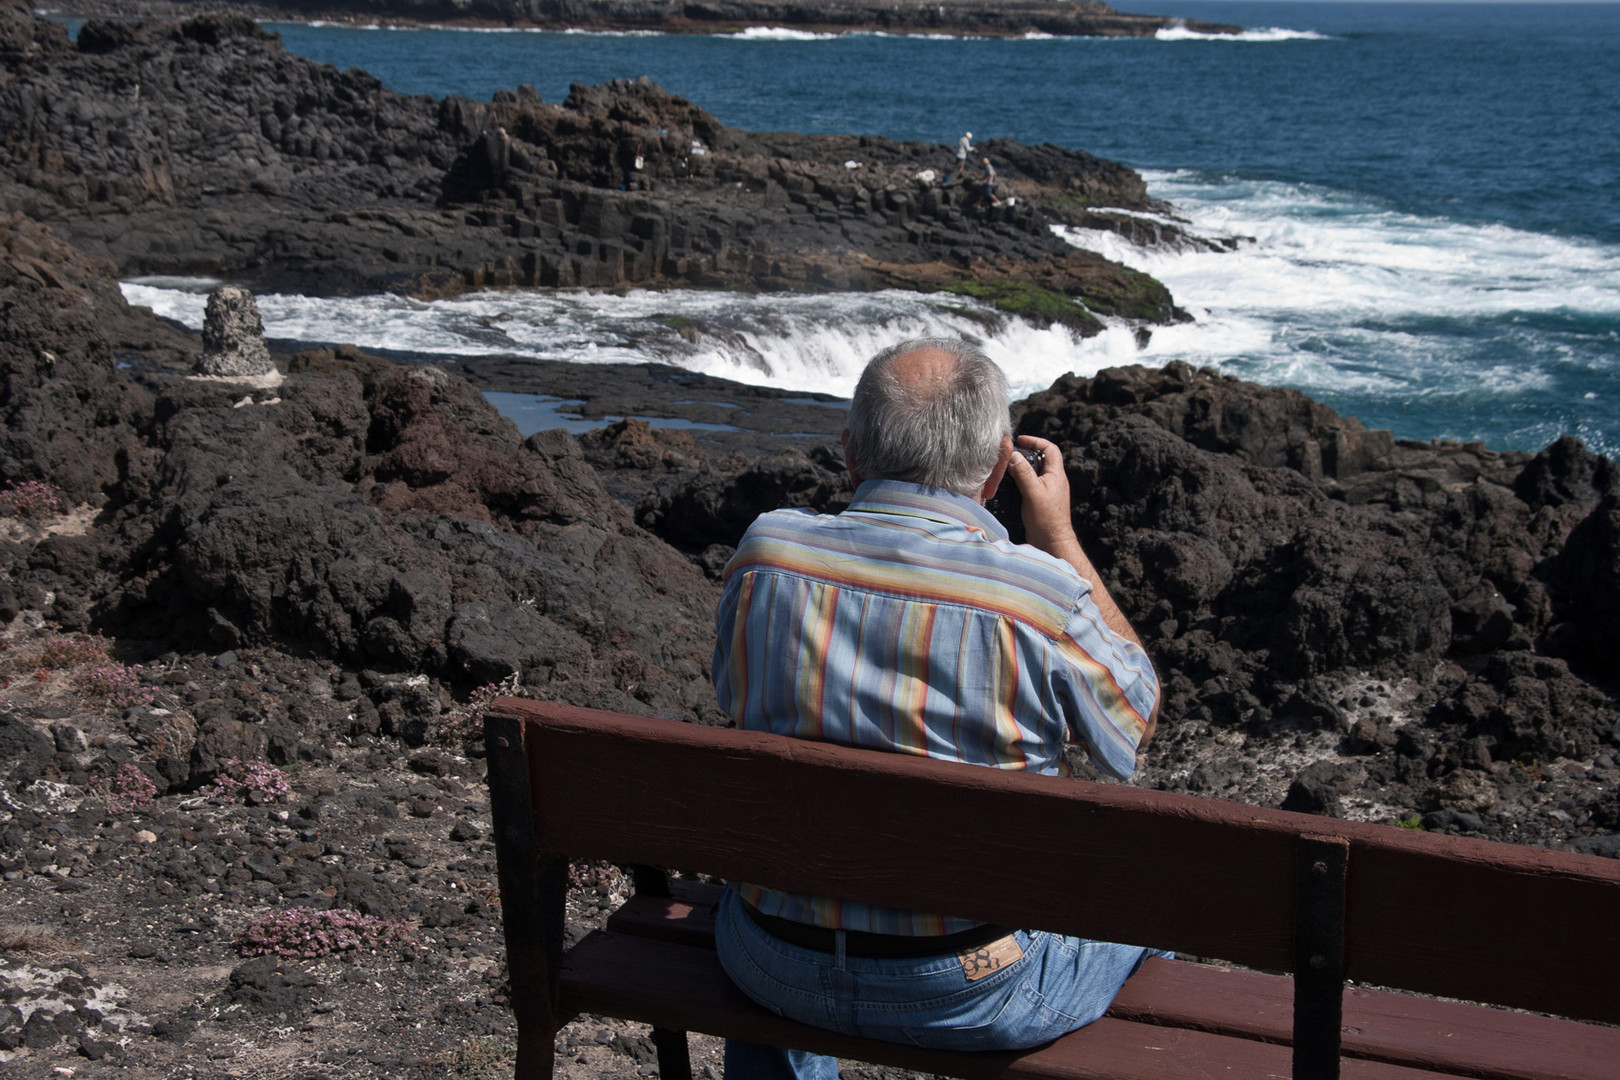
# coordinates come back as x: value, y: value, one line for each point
x: 866, y: 944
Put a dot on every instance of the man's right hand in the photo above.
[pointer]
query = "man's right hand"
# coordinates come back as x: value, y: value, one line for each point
x: 1045, y: 493
x: 1049, y: 526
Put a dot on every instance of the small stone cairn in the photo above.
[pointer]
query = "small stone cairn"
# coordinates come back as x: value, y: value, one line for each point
x: 233, y: 337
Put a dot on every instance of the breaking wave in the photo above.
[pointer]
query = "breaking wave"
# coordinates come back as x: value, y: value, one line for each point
x: 1180, y: 32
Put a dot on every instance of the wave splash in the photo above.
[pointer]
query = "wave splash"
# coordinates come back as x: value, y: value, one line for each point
x: 1179, y: 31
x: 778, y: 33
x: 806, y: 343
x: 1427, y: 326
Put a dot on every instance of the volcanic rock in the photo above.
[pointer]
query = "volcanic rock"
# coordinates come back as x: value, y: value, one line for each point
x: 233, y: 336
x: 386, y: 514
x: 60, y: 371
x: 1276, y: 555
x: 202, y: 147
x: 1015, y: 18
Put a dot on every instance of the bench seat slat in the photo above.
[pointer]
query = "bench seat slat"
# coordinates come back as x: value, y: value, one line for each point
x: 1399, y: 1028
x: 685, y: 917
x: 1447, y: 1036
x: 683, y: 987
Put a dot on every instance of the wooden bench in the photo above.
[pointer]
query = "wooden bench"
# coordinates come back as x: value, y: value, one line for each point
x: 1329, y: 901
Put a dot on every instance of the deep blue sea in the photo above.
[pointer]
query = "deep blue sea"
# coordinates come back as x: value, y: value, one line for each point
x: 1431, y: 192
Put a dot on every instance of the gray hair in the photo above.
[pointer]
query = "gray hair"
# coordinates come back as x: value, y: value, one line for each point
x: 946, y: 435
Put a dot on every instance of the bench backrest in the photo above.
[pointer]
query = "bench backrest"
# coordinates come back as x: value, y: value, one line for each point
x: 1509, y: 925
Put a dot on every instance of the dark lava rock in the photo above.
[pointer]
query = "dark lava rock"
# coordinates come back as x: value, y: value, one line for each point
x: 40, y: 1031
x: 1269, y: 549
x: 1607, y: 846
x: 1452, y: 821
x: 1316, y: 791
x: 380, y: 514
x: 96, y: 1049
x: 222, y: 741
x: 712, y: 507
x: 60, y: 371
x: 1004, y: 18
x: 174, y: 1030
x: 272, y: 984
x: 231, y: 141
x: 24, y: 748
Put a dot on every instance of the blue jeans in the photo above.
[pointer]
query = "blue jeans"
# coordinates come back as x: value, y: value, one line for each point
x: 1059, y: 984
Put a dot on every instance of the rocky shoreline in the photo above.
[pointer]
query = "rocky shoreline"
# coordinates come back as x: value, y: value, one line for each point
x: 203, y: 148
x: 210, y: 584
x: 956, y: 18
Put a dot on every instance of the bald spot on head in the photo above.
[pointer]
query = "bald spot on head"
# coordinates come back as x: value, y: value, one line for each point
x: 929, y: 370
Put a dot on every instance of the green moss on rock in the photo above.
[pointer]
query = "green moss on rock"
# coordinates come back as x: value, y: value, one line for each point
x: 1030, y: 301
x: 1131, y: 294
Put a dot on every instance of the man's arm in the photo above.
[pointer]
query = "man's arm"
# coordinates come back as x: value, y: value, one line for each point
x: 1047, y: 525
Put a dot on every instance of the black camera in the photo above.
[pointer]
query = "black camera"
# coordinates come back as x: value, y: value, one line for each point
x: 1007, y: 504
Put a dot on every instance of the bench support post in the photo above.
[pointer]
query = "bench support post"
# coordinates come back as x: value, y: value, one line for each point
x: 528, y: 882
x: 1319, y: 956
x: 674, y: 1062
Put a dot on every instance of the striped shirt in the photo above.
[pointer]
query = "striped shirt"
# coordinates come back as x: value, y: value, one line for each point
x: 910, y: 622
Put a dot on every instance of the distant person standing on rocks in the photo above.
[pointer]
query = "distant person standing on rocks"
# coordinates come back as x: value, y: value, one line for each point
x: 910, y: 623
x: 964, y: 147
x: 988, y: 190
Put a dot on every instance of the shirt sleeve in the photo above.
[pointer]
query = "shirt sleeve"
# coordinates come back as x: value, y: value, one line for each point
x: 1108, y: 687
x: 725, y: 624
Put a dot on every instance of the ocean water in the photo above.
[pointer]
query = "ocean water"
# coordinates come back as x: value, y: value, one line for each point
x: 1426, y: 195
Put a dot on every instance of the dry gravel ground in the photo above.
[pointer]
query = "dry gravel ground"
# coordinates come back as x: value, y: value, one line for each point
x: 120, y: 929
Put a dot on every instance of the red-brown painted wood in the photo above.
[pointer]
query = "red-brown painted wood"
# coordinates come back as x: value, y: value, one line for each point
x: 530, y: 882
x: 905, y: 831
x: 1488, y: 922
x: 1427, y: 1033
x: 1419, y: 1032
x: 683, y: 987
x: 685, y: 917
x: 1517, y: 926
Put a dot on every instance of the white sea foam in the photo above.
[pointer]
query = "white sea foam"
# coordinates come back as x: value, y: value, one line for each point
x: 817, y: 343
x: 1430, y: 326
x: 779, y: 33
x: 1320, y: 250
x: 487, y: 29
x: 415, y: 28
x: 1179, y: 31
x: 1175, y: 32
x: 1335, y: 294
x: 575, y: 31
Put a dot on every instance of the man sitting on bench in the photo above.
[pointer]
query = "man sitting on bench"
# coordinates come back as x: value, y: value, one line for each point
x: 910, y: 623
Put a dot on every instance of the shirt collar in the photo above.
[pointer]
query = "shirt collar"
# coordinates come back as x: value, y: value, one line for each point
x: 935, y: 504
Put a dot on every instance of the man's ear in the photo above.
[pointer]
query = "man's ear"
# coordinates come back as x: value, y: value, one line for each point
x: 855, y: 477
x: 991, y: 484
